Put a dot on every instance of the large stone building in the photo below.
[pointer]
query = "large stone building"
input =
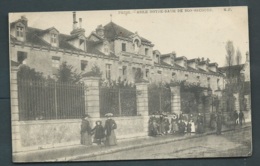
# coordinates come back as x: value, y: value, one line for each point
x: 116, y: 50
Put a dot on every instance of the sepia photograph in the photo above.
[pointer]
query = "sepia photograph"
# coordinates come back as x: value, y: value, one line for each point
x: 140, y: 84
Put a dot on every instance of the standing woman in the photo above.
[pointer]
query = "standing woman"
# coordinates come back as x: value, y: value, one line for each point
x: 85, y: 131
x: 110, y: 126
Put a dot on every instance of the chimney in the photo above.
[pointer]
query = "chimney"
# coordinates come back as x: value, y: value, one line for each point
x: 24, y: 20
x: 80, y: 23
x: 74, y: 21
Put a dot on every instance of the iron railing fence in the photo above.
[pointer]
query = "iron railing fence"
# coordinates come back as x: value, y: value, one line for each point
x: 118, y: 101
x: 159, y: 99
x: 46, y: 100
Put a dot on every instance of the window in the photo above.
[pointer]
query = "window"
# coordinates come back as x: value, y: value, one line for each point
x: 123, y: 46
x: 19, y: 31
x: 146, y: 51
x: 83, y: 65
x: 55, y: 62
x: 186, y: 76
x: 208, y: 80
x: 21, y: 57
x: 173, y: 75
x: 198, y: 78
x: 147, y: 73
x: 53, y: 38
x: 124, y: 70
x: 108, y: 71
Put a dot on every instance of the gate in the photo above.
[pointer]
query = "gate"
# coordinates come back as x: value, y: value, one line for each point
x: 159, y: 99
x: 118, y: 101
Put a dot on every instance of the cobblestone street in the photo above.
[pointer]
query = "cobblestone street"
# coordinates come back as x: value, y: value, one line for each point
x: 232, y: 143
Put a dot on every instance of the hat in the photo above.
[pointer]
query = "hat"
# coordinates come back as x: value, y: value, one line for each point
x: 108, y: 114
x: 98, y: 121
x: 84, y: 116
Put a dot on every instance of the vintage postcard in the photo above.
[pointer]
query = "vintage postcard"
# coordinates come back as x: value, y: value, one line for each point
x: 130, y: 84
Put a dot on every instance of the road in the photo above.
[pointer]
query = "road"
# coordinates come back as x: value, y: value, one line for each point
x: 229, y: 144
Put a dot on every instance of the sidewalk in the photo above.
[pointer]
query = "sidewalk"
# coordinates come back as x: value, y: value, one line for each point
x: 71, y: 153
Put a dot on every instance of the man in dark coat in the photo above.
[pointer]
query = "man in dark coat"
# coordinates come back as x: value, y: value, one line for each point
x: 235, y: 118
x: 219, y: 123
x: 182, y: 127
x: 241, y: 118
x: 200, y: 124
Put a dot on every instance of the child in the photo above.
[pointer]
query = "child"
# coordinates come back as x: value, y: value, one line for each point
x: 99, y: 132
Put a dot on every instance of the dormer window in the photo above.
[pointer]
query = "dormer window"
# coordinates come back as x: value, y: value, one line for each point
x: 19, y: 31
x: 54, y: 38
x: 157, y: 58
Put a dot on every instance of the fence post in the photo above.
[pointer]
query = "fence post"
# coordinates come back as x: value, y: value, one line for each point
x: 92, y: 96
x: 142, y: 103
x: 16, y: 136
x: 175, y: 100
x: 119, y: 103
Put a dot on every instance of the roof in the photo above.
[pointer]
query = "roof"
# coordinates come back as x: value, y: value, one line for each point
x: 180, y: 58
x: 192, y: 60
x: 48, y: 30
x: 212, y: 64
x: 112, y: 31
x: 33, y: 37
x: 232, y: 70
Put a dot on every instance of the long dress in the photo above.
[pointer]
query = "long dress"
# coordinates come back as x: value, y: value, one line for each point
x: 152, y: 127
x: 192, y: 127
x: 110, y: 126
x: 85, y: 133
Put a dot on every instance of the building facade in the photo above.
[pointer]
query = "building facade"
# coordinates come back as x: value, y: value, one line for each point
x: 114, y: 49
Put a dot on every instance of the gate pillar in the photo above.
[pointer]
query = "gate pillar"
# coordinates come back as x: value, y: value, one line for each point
x: 142, y: 103
x: 175, y: 100
x: 92, y: 96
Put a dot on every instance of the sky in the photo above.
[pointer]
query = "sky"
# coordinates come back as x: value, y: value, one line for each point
x: 190, y: 32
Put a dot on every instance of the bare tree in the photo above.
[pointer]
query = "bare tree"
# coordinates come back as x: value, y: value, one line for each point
x: 238, y: 57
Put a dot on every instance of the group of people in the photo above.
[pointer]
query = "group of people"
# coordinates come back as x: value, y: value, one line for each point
x: 162, y: 124
x: 102, y: 134
x: 238, y: 118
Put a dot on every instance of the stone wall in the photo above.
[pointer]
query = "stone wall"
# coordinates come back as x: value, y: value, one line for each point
x: 55, y: 133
